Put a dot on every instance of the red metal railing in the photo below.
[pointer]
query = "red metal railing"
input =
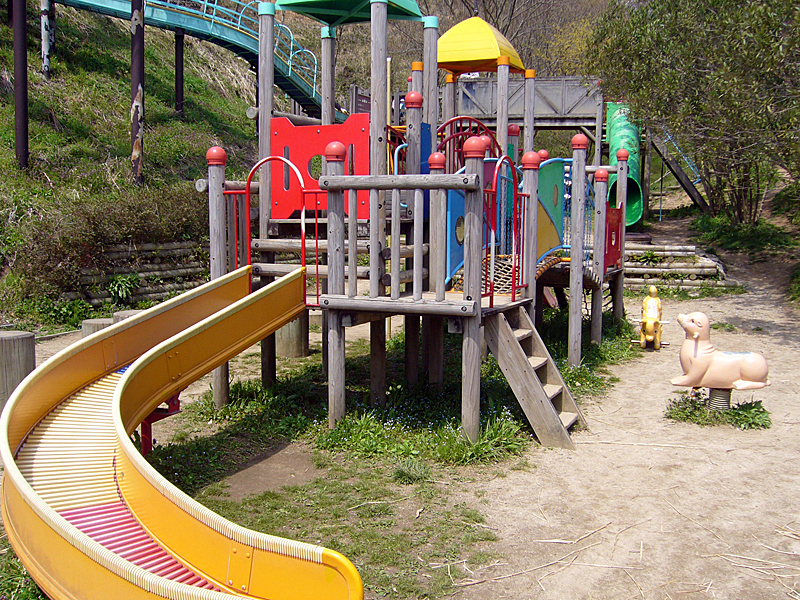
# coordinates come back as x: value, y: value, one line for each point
x: 454, y: 132
x: 491, y: 207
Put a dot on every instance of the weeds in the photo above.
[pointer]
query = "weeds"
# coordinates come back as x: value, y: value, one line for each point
x: 719, y: 231
x: 694, y: 409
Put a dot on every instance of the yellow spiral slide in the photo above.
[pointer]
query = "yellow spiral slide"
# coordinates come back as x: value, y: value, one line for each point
x: 90, y: 518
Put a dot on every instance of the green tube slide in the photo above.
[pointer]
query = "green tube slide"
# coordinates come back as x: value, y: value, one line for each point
x: 621, y: 133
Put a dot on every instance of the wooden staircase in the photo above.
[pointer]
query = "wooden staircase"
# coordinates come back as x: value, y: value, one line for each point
x: 533, y: 376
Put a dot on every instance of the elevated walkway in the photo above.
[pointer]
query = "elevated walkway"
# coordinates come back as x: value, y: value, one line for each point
x: 233, y: 26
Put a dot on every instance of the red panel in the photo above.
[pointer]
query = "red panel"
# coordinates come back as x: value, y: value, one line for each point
x: 300, y: 144
x: 135, y: 545
x: 613, y: 238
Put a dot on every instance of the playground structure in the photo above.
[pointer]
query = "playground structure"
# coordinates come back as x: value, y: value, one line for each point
x: 405, y: 220
x: 90, y: 518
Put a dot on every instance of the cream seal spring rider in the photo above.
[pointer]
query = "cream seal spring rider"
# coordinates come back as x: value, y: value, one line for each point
x: 704, y: 366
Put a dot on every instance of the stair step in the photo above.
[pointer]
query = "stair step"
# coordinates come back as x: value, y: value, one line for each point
x: 537, y: 361
x: 552, y: 390
x: 568, y: 419
x: 522, y: 334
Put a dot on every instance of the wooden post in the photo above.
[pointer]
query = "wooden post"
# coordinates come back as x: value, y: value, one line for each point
x: 528, y: 115
x: 598, y: 129
x: 430, y: 86
x: 18, y: 9
x: 413, y: 155
x: 438, y: 270
x: 377, y: 166
x: 503, y: 70
x: 449, y: 98
x: 17, y: 359
x: 137, y: 90
x: 328, y: 69
x: 530, y: 186
x: 90, y: 326
x: 415, y: 82
x: 266, y: 81
x: 474, y: 151
x: 334, y: 154
x: 179, y: 64
x: 44, y: 6
x: 646, y: 172
x: 617, y: 297
x: 216, y: 158
x: 580, y: 144
x: 599, y: 251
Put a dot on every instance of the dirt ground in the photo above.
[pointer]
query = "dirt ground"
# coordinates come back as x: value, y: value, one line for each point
x: 644, y: 507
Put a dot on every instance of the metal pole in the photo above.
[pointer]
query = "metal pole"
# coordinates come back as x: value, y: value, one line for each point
x: 137, y: 90
x: 179, y: 48
x: 18, y: 9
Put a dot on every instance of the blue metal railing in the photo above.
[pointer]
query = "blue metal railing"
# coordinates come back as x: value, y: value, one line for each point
x: 230, y: 22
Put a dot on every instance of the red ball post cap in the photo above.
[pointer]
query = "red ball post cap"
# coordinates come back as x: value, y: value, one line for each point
x: 413, y: 100
x: 335, y: 152
x: 580, y: 142
x: 216, y: 156
x: 487, y: 141
x: 601, y: 175
x: 436, y: 160
x: 475, y: 147
x: 544, y: 154
x: 410, y: 79
x: 622, y: 154
x: 513, y: 130
x: 531, y: 160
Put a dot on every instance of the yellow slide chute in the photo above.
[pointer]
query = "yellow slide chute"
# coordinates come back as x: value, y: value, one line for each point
x: 90, y: 518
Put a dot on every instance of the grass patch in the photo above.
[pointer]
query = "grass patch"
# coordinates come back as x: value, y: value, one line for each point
x: 720, y: 232
x: 787, y: 202
x: 724, y: 326
x: 688, y: 293
x: 794, y: 283
x: 694, y: 409
x: 398, y: 537
x: 15, y: 582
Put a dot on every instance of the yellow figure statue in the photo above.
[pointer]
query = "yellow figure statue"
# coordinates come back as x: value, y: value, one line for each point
x: 651, y: 320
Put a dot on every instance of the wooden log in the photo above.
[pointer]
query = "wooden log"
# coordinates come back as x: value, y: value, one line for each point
x: 503, y: 71
x: 702, y: 271
x: 636, y: 282
x: 400, y: 182
x: 279, y: 270
x: 403, y: 276
x: 430, y: 75
x: 90, y: 326
x: 121, y: 315
x: 401, y: 306
x: 406, y: 251
x: 17, y: 359
x: 291, y: 340
x: 594, y: 168
x: 528, y: 128
x: 393, y: 278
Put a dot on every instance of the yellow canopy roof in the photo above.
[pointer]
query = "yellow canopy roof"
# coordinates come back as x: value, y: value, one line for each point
x: 474, y: 45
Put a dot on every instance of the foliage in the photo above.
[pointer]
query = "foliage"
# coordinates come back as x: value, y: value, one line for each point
x: 693, y: 408
x: 794, y: 283
x: 742, y: 237
x: 15, y: 582
x: 787, y: 202
x: 721, y: 77
x: 77, y: 196
x: 121, y: 288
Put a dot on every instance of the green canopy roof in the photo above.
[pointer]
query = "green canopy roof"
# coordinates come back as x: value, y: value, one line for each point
x: 339, y: 12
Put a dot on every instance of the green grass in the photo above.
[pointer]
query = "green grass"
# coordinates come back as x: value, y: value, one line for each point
x: 719, y: 231
x: 15, y: 583
x: 77, y: 194
x: 787, y: 202
x: 794, y: 283
x: 688, y: 293
x: 694, y: 409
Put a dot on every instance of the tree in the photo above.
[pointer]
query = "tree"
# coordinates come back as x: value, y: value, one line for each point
x: 722, y: 77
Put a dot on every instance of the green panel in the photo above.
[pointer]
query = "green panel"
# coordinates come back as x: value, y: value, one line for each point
x: 621, y: 133
x: 551, y: 193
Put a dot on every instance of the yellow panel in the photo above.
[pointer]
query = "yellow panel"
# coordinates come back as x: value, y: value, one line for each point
x: 474, y: 45
x: 547, y: 236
